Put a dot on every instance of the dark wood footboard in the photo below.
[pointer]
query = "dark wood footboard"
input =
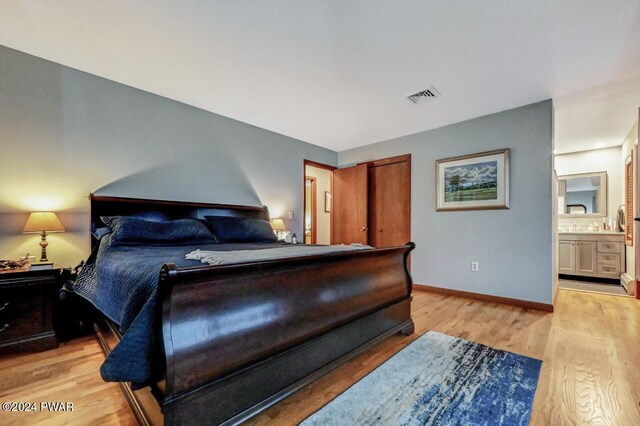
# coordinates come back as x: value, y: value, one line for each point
x: 239, y: 338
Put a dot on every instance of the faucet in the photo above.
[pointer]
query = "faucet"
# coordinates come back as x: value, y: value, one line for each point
x: 575, y: 228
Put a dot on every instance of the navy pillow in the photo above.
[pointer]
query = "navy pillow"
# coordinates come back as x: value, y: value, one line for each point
x: 228, y: 229
x: 136, y: 230
x: 154, y: 216
x: 101, y: 232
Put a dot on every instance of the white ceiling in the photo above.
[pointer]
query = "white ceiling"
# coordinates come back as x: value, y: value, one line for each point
x: 596, y: 118
x: 336, y: 73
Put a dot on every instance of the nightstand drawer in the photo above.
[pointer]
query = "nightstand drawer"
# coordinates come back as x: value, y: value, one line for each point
x: 23, y: 312
x: 26, y: 310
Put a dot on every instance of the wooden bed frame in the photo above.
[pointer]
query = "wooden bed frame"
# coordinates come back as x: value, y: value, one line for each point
x: 288, y: 321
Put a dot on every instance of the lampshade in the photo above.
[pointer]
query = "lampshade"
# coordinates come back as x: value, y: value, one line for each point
x: 278, y: 225
x: 43, y: 221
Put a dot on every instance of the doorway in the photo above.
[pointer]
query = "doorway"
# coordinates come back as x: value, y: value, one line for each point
x: 596, y: 202
x: 318, y: 180
x: 372, y: 203
x: 369, y: 203
x: 310, y: 213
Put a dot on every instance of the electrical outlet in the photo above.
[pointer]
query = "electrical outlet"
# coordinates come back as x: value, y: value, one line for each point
x: 475, y: 266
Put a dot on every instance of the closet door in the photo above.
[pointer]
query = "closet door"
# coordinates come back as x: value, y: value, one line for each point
x: 390, y: 201
x: 349, y: 209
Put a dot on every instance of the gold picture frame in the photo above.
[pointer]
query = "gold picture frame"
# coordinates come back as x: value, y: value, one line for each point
x: 473, y: 182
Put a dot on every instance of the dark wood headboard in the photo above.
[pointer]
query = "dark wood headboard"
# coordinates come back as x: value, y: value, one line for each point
x: 119, y: 206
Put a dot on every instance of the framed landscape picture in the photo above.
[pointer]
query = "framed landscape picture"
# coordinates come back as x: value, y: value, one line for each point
x: 473, y: 182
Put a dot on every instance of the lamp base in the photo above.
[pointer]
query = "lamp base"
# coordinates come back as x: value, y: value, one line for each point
x: 43, y: 245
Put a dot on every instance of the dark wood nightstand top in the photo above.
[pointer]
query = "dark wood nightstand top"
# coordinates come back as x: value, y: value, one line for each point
x: 28, y: 275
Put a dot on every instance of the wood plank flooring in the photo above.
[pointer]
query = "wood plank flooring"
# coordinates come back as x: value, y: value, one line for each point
x: 69, y: 373
x: 590, y: 347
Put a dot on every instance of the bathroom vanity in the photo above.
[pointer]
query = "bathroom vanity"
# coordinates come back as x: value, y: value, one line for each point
x: 583, y: 252
x: 591, y: 254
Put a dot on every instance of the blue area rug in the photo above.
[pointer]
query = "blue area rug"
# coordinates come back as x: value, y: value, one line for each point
x: 439, y: 380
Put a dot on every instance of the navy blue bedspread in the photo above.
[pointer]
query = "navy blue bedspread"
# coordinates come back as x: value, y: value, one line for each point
x: 122, y: 282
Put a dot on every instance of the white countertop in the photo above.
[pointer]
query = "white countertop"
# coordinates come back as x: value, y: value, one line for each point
x: 592, y: 232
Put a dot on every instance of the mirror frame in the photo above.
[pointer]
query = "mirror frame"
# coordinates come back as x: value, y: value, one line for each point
x: 602, y: 202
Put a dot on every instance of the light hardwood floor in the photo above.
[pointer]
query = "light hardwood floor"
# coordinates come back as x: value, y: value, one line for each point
x: 590, y: 347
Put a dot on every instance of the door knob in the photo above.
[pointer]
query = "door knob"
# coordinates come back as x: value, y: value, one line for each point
x: 364, y: 228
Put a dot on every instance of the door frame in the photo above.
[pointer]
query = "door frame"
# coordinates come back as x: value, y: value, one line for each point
x: 314, y: 211
x: 636, y: 203
x: 390, y: 160
x: 331, y: 168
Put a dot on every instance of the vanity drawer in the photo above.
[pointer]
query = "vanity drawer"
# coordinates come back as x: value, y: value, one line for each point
x: 609, y: 270
x: 609, y: 258
x: 609, y: 247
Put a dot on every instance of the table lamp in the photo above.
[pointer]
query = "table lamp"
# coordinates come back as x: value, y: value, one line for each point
x: 41, y: 223
x: 278, y: 227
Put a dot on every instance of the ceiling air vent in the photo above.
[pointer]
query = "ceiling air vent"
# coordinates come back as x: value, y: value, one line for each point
x: 424, y: 95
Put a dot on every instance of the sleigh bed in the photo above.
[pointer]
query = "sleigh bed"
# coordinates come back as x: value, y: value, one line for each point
x: 234, y: 339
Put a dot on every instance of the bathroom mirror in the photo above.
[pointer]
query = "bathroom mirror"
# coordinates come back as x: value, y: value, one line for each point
x: 583, y: 195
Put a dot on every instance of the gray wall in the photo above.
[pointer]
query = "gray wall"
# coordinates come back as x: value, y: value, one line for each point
x: 65, y: 134
x: 514, y: 247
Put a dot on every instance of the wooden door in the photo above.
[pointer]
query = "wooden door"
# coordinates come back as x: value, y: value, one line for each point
x: 566, y: 257
x: 586, y: 258
x: 349, y: 208
x: 390, y: 201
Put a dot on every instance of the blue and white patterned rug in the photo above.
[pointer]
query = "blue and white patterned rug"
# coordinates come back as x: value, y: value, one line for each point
x: 439, y: 380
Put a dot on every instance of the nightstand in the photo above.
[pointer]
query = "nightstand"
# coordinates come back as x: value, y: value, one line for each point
x: 26, y: 305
